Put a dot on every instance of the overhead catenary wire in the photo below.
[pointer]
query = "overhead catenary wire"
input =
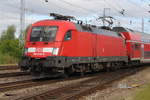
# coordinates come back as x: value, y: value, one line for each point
x: 86, y: 10
x: 66, y: 9
x: 146, y: 10
x: 40, y: 13
x: 77, y: 6
x: 136, y: 5
x: 116, y: 9
x: 26, y: 9
x: 113, y: 9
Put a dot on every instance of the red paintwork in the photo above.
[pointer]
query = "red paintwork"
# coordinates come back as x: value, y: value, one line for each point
x: 85, y: 44
x: 82, y: 44
x: 136, y: 37
x: 131, y: 39
x: 63, y: 27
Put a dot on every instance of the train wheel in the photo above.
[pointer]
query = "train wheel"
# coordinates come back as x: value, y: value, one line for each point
x: 69, y: 71
x: 82, y: 70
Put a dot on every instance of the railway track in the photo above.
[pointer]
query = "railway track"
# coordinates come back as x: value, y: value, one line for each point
x: 14, y: 85
x: 9, y: 73
x: 24, y: 84
x: 74, y: 91
x: 9, y: 67
x: 30, y: 83
x: 13, y: 74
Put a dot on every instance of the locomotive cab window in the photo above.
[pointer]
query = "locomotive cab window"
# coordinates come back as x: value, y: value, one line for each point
x: 119, y: 34
x: 136, y: 46
x: 68, y: 35
x: 43, y: 33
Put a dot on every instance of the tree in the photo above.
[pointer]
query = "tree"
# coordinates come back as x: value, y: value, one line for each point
x: 11, y: 47
x: 9, y: 34
x: 3, y: 36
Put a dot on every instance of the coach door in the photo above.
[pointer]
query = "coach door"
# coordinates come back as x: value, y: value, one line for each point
x: 136, y: 51
x: 142, y: 51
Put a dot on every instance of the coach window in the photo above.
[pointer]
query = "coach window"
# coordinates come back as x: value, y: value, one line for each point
x: 137, y: 46
x: 68, y: 35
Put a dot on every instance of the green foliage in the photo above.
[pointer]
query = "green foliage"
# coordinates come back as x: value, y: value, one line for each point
x: 144, y: 94
x: 10, y: 49
x: 7, y: 59
x: 9, y: 34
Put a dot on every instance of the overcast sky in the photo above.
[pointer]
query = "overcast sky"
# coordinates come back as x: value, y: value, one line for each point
x: 36, y: 10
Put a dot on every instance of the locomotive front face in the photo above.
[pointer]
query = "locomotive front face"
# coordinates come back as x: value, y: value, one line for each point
x: 44, y: 46
x: 41, y: 42
x: 41, y: 50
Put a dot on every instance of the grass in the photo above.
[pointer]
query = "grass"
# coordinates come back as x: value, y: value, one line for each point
x: 144, y: 94
x: 7, y: 59
x: 1, y: 65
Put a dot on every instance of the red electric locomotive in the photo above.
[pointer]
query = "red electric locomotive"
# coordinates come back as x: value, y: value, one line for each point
x: 59, y: 46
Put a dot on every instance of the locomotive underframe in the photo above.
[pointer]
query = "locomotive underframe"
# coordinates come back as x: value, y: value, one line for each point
x: 59, y: 64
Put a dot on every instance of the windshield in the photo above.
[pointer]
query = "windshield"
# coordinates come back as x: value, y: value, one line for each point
x: 43, y: 33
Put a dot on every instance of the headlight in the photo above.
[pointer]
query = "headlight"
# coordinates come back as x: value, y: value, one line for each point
x: 55, y: 51
x: 47, y: 49
x: 26, y: 50
x: 31, y: 50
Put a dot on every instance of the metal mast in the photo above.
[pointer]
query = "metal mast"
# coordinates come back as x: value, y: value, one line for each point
x: 142, y: 24
x: 104, y: 15
x: 22, y: 20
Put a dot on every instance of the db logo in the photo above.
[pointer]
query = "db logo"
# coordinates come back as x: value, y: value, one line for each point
x: 39, y: 49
